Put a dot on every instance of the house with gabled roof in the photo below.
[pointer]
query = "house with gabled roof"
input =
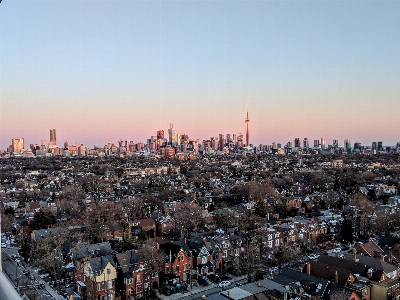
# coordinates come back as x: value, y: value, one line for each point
x: 135, y: 277
x: 178, y: 263
x: 96, y: 278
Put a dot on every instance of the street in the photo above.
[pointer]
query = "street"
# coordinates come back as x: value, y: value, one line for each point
x: 25, y: 283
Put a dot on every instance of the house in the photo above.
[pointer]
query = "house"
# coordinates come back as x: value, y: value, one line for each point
x: 134, y: 275
x: 178, y: 263
x: 165, y: 224
x: 96, y: 277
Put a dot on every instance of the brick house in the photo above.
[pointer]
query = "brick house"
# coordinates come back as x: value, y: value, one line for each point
x: 178, y: 263
x: 134, y: 275
x: 95, y: 278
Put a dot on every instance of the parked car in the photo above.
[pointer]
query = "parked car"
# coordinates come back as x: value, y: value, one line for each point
x: 224, y: 283
x: 202, y: 282
x: 313, y: 256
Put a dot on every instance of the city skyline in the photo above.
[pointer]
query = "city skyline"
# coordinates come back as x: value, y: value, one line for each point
x: 102, y: 71
x: 173, y: 139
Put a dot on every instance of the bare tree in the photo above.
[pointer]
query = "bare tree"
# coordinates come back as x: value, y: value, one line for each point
x: 188, y: 218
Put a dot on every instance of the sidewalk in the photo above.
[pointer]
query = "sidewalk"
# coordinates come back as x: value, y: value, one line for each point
x: 196, y: 290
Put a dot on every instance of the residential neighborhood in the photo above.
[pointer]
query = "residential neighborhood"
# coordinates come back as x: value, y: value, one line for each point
x: 269, y: 226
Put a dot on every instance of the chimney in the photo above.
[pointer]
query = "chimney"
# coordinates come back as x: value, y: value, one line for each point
x: 382, y: 257
x: 390, y: 254
x: 354, y: 255
x: 229, y: 293
x: 184, y: 240
x: 203, y: 297
x: 259, y: 283
x: 204, y: 241
x: 308, y: 268
x: 336, y: 277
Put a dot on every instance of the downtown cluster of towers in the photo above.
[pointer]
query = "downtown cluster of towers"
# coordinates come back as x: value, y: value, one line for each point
x: 176, y: 143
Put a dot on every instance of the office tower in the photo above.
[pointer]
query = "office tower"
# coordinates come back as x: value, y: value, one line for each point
x: 17, y: 145
x: 239, y: 141
x: 297, y: 143
x: 178, y: 139
x: 172, y: 135
x: 160, y: 134
x: 228, y: 138
x: 380, y: 146
x: 335, y: 143
x: 347, y: 145
x: 316, y: 143
x: 289, y: 144
x: 234, y: 138
x: 398, y: 145
x: 53, y: 137
x: 278, y: 145
x: 247, y: 121
x: 357, y: 145
x: 374, y: 145
x: 306, y: 143
x: 274, y: 145
x: 323, y: 143
x: 222, y: 141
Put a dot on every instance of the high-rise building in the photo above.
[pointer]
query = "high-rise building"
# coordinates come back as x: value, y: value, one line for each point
x: 160, y: 134
x: 297, y: 143
x: 247, y: 121
x: 398, y: 145
x: 306, y: 143
x: 323, y: 143
x: 374, y: 145
x: 316, y: 143
x: 222, y: 141
x: 357, y: 146
x: 172, y: 135
x: 17, y: 145
x: 380, y: 146
x: 335, y: 143
x: 347, y: 145
x: 53, y: 141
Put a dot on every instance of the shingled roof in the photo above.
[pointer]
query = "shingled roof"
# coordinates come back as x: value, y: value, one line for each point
x: 98, y: 264
x: 128, y: 261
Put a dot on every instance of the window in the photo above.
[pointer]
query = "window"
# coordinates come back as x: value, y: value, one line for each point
x: 99, y: 287
x: 177, y: 269
x: 203, y: 259
x: 167, y: 269
x: 108, y: 271
x: 225, y: 253
x: 109, y: 284
x: 131, y: 291
x: 184, y: 267
x: 138, y: 277
x: 165, y: 225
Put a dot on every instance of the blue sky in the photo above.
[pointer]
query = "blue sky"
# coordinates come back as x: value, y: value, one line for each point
x: 98, y: 71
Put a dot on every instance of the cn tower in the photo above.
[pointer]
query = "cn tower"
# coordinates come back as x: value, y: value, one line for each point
x: 247, y: 121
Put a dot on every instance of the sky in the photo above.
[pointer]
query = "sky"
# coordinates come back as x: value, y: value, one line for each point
x: 101, y: 71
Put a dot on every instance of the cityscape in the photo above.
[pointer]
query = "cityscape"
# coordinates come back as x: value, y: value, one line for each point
x: 187, y: 150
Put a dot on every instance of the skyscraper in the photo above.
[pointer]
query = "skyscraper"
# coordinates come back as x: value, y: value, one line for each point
x: 306, y: 143
x: 380, y: 146
x: 323, y: 143
x: 297, y: 143
x: 17, y: 145
x: 53, y: 137
x: 316, y: 143
x: 172, y: 135
x: 335, y: 143
x: 347, y: 145
x: 247, y: 121
x: 160, y: 134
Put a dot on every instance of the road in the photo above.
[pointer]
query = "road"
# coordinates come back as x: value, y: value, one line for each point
x: 23, y: 283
